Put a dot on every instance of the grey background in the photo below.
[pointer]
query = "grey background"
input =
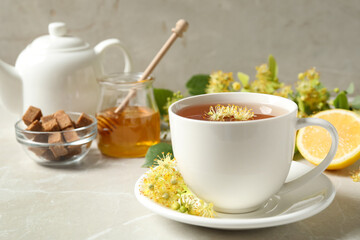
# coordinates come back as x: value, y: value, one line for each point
x: 226, y: 35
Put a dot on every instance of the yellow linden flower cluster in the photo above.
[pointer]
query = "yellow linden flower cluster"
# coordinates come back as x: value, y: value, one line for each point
x: 175, y: 97
x: 230, y: 112
x: 311, y: 96
x: 310, y: 74
x: 355, y: 175
x: 165, y: 185
x: 265, y: 82
x: 263, y: 72
x: 220, y: 82
x: 285, y: 91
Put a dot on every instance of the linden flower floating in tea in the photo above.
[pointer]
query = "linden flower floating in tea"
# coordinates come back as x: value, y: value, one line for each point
x: 229, y: 113
x: 165, y: 185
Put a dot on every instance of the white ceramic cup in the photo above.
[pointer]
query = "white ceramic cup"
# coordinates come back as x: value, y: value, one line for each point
x: 239, y: 165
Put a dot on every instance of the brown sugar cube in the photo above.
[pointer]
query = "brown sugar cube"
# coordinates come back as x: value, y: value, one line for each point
x: 38, y: 151
x: 83, y: 120
x: 51, y: 125
x: 31, y: 114
x: 74, y: 150
x: 57, y: 150
x: 70, y: 136
x: 63, y: 119
x: 43, y: 152
x: 43, y: 138
x: 48, y: 155
x: 47, y: 118
x: 55, y: 138
x: 35, y: 126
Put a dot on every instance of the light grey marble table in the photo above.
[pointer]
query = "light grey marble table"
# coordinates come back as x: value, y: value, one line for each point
x: 96, y: 201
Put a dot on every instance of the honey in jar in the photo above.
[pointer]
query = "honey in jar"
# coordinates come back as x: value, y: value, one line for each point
x: 129, y: 133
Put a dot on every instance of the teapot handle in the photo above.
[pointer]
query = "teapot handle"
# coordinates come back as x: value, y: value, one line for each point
x: 102, y: 46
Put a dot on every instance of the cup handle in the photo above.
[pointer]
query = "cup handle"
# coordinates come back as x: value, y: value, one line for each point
x: 102, y: 46
x: 303, y: 122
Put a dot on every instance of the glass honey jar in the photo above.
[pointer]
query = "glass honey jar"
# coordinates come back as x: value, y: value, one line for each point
x: 130, y: 131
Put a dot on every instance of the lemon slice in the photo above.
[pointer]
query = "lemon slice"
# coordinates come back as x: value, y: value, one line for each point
x: 314, y: 142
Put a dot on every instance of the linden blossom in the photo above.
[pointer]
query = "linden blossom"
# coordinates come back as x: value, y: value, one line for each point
x: 165, y: 185
x: 355, y: 175
x: 230, y: 112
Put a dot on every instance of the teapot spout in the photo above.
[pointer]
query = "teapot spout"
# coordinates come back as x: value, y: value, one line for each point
x: 11, y: 93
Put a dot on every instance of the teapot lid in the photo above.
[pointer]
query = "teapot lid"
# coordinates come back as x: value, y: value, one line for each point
x: 58, y: 40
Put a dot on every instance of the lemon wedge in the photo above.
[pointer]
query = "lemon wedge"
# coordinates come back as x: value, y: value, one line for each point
x: 314, y: 142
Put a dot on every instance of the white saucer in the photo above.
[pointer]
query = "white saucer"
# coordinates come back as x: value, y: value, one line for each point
x: 297, y: 205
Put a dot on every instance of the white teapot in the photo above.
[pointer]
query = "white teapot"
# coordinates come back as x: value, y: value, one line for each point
x: 56, y: 71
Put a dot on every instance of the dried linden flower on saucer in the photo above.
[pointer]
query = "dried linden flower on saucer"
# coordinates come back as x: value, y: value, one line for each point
x: 165, y: 185
x: 229, y: 113
x: 355, y: 175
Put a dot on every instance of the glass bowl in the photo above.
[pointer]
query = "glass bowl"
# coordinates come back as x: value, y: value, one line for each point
x: 36, y: 145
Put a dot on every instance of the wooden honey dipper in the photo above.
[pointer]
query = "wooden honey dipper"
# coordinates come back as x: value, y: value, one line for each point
x: 180, y: 27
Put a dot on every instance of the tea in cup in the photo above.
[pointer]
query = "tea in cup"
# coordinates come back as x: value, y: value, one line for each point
x: 239, y: 165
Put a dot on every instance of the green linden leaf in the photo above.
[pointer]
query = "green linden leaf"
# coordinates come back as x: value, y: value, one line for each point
x: 156, y: 151
x: 355, y: 104
x: 197, y: 84
x: 308, y: 111
x: 350, y: 89
x: 341, y: 101
x: 161, y: 96
x: 273, y: 67
x: 243, y: 78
